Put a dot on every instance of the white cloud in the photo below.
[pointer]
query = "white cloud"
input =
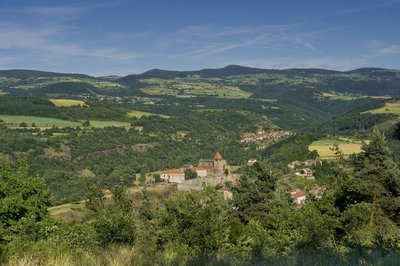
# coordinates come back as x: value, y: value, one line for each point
x: 379, y: 48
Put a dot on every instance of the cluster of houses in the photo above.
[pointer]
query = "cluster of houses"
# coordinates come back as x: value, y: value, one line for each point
x: 304, y: 171
x: 206, y: 167
x: 261, y: 134
x: 296, y: 164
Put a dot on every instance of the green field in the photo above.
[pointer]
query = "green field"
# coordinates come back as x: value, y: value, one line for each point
x: 324, y: 147
x: 389, y: 108
x: 67, y: 102
x: 101, y: 124
x: 13, y: 121
x: 139, y: 114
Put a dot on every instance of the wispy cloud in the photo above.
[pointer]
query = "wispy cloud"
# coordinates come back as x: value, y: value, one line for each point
x: 57, y: 12
x: 334, y: 63
x: 210, y: 40
x: 368, y: 6
x: 379, y: 48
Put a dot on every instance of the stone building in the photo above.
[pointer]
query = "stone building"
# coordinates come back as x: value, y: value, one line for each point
x: 217, y: 166
x: 173, y: 176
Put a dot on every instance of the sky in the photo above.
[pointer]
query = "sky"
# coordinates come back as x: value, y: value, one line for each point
x: 120, y: 37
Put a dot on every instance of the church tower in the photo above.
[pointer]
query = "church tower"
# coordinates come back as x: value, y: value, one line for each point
x: 219, y: 163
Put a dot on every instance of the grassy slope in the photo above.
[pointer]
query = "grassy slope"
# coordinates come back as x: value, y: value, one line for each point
x: 15, y: 120
x: 67, y: 102
x: 389, y: 108
x: 347, y: 146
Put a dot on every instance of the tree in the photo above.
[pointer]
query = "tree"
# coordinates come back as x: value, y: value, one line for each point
x: 23, y: 124
x: 21, y: 197
x: 254, y: 192
x: 121, y: 198
x: 202, y: 231
x: 95, y: 199
x: 377, y: 177
x: 190, y: 174
x: 396, y: 133
x: 157, y: 178
x: 374, y: 190
x: 146, y: 211
x: 86, y: 123
x: 117, y: 223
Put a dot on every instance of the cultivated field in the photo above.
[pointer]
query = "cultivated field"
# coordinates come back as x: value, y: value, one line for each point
x: 101, y: 124
x: 346, y: 97
x: 139, y: 114
x: 324, y: 147
x: 389, y: 108
x: 67, y: 102
x: 13, y: 121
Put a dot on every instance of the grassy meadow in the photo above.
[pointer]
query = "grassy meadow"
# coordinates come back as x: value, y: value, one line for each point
x: 346, y: 145
x: 67, y: 102
x: 13, y: 121
x: 139, y: 114
x: 389, y: 108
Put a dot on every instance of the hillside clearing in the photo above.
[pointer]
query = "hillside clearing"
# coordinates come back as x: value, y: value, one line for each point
x: 67, y: 102
x: 139, y: 114
x: 14, y: 121
x: 389, y: 108
x: 346, y: 145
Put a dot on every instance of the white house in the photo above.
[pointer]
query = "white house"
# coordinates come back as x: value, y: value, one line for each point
x: 299, y: 198
x: 200, y: 171
x: 173, y: 176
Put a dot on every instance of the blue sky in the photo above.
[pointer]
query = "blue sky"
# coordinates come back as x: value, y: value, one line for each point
x: 131, y: 36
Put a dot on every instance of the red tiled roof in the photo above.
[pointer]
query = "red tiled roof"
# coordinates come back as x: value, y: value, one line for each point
x: 297, y: 193
x: 218, y: 156
x: 199, y: 168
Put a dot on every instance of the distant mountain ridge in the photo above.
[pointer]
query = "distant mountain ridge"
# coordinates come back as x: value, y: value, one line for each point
x: 207, y: 72
x: 28, y: 73
x: 362, y: 81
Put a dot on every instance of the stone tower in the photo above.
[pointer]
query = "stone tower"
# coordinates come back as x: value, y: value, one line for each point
x: 219, y: 163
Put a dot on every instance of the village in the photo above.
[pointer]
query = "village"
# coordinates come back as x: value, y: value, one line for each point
x: 261, y: 135
x: 304, y: 169
x: 216, y: 171
x: 208, y: 172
